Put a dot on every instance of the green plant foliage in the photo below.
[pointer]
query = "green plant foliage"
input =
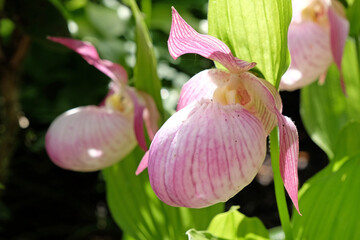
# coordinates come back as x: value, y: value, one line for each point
x: 232, y: 225
x: 354, y: 18
x: 329, y: 203
x: 235, y: 225
x: 138, y: 211
x: 145, y: 71
x: 201, y: 235
x: 324, y: 108
x: 255, y: 31
x: 348, y: 141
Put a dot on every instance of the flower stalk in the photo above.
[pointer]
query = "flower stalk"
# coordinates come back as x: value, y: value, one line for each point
x: 278, y: 185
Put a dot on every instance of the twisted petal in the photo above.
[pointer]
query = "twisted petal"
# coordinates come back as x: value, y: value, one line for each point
x: 200, y: 86
x: 309, y: 46
x: 89, y: 138
x: 184, y: 39
x: 86, y: 50
x: 151, y: 115
x: 205, y: 153
x: 289, y: 140
x: 138, y: 119
x: 339, y: 30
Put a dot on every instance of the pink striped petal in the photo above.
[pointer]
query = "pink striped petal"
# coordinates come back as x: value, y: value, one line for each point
x: 138, y: 119
x: 143, y: 163
x: 184, y: 39
x: 114, y: 71
x: 289, y: 140
x: 289, y: 152
x: 151, y: 115
x: 89, y: 138
x: 339, y: 30
x: 200, y: 86
x: 205, y: 153
x: 309, y: 46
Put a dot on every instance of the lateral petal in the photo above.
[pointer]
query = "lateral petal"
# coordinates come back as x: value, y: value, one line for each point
x: 309, y: 46
x: 289, y: 140
x: 201, y: 86
x: 89, y: 138
x: 339, y: 30
x: 289, y: 152
x: 87, y: 51
x: 138, y: 119
x: 184, y: 39
x: 205, y: 153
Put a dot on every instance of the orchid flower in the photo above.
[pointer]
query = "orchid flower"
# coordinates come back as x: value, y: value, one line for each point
x: 316, y: 38
x: 214, y: 145
x: 90, y: 138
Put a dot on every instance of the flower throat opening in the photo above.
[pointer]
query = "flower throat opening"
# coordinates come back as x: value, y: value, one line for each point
x: 232, y: 92
x: 120, y: 102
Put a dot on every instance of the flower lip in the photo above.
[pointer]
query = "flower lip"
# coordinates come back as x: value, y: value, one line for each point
x: 225, y: 134
x: 89, y: 138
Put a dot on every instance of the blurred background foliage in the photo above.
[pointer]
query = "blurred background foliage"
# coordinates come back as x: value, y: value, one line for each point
x: 40, y: 80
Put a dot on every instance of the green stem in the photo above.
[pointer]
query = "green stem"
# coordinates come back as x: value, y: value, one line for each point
x: 279, y: 186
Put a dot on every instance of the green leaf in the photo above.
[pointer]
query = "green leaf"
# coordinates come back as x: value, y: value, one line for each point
x: 325, y: 110
x: 235, y: 225
x: 255, y: 31
x: 145, y: 71
x: 329, y: 203
x: 202, y: 235
x: 138, y: 211
x: 354, y: 18
x: 348, y: 141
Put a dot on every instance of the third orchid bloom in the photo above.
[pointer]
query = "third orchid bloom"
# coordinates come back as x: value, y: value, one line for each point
x: 316, y: 38
x: 214, y: 145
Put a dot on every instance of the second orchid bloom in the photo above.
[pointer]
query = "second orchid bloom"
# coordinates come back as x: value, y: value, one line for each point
x: 214, y: 145
x: 90, y: 138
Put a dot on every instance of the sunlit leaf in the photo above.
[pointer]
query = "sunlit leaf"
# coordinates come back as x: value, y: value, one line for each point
x: 202, y: 235
x: 235, y: 225
x: 255, y: 31
x: 324, y: 108
x: 329, y: 203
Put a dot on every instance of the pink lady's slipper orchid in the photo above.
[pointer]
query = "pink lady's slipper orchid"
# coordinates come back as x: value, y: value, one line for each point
x: 90, y: 138
x: 316, y: 38
x: 214, y: 145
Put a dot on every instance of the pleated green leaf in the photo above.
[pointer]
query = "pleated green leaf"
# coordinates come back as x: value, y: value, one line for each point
x: 324, y: 108
x: 329, y: 203
x: 139, y: 213
x: 145, y: 71
x: 255, y: 31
